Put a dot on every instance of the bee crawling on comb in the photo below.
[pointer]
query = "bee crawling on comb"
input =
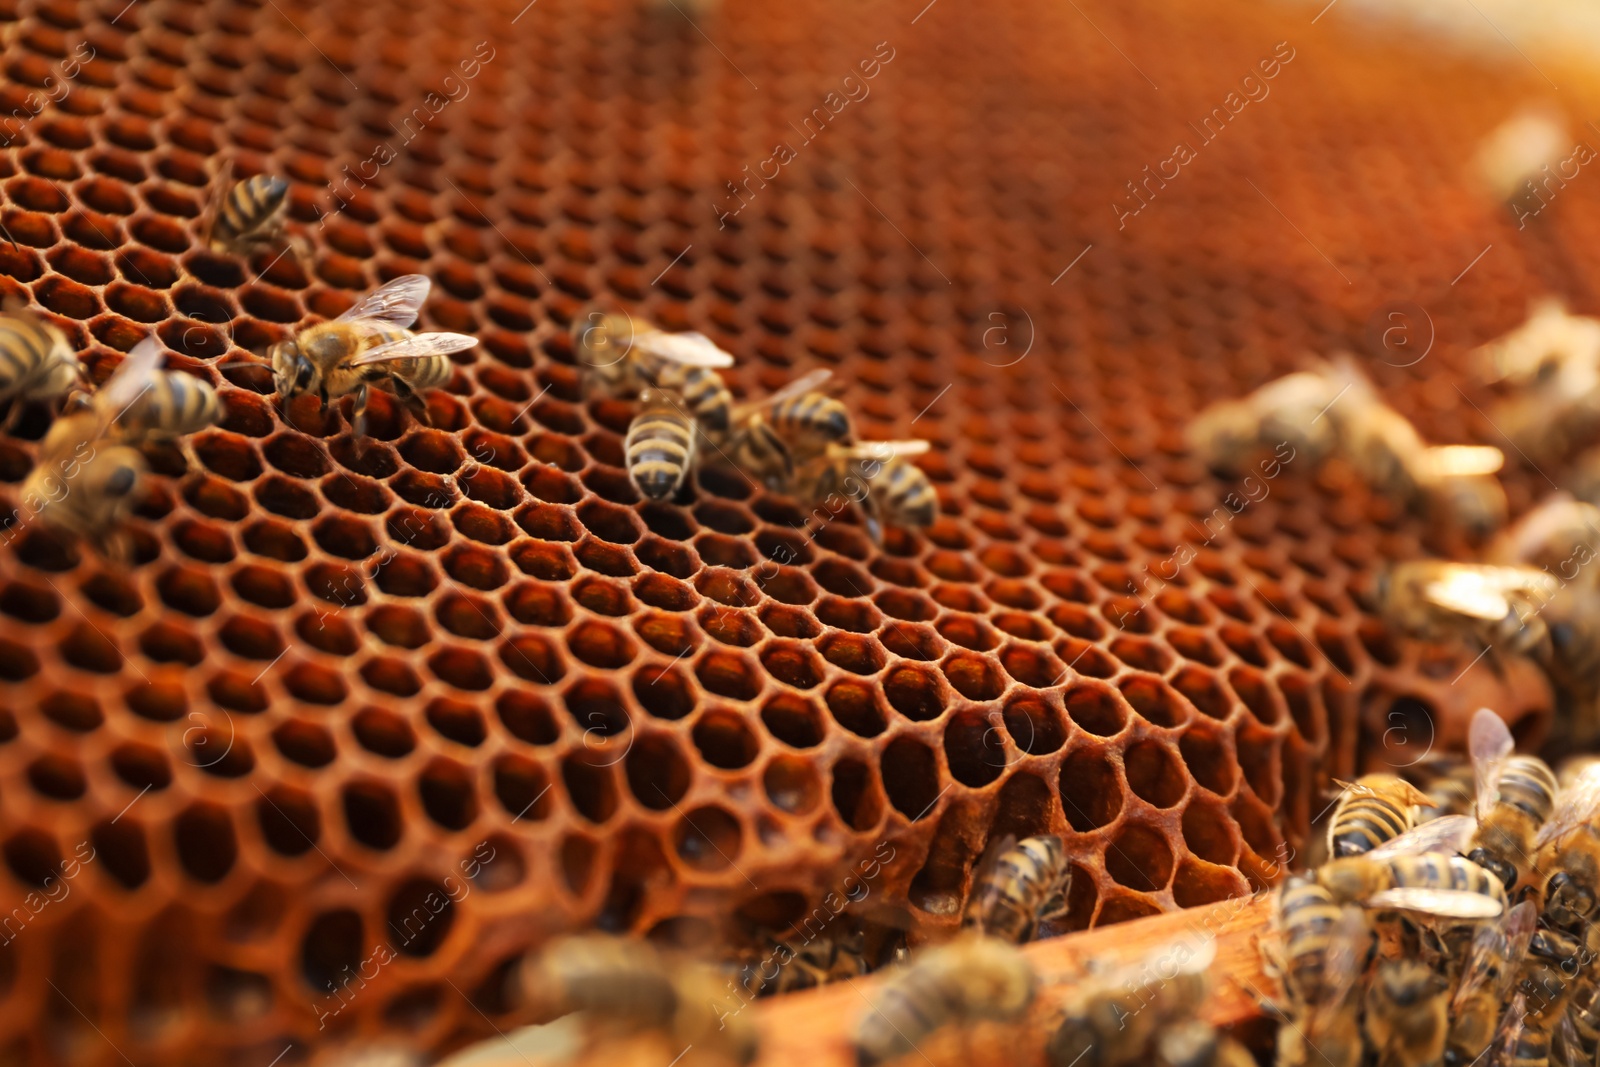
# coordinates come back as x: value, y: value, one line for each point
x: 369, y: 346
x: 245, y: 216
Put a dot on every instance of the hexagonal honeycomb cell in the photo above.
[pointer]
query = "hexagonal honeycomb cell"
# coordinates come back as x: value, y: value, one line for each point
x: 362, y: 721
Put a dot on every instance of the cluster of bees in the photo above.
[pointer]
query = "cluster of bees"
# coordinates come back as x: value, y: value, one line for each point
x: 1404, y: 949
x: 1332, y: 409
x: 1532, y: 591
x: 798, y: 441
x: 621, y: 989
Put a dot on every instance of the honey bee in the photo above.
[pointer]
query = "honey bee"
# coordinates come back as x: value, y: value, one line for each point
x: 168, y: 406
x: 620, y: 359
x: 1516, y: 794
x: 1407, y: 1021
x: 36, y: 363
x: 1373, y: 809
x: 1418, y: 871
x: 1550, y: 339
x: 249, y: 215
x: 622, y: 985
x: 1453, y: 483
x: 661, y: 445
x: 1290, y: 411
x: 817, y: 961
x: 369, y: 345
x: 966, y: 980
x: 1317, y: 957
x: 1561, y: 536
x: 1113, y: 1019
x: 793, y: 426
x: 1199, y: 1044
x: 1486, y: 976
x: 1569, y: 849
x: 878, y: 476
x: 1551, y: 979
x: 88, y: 477
x: 1019, y: 886
x: 1497, y: 606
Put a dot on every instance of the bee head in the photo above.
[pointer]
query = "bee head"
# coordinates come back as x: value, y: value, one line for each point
x: 1506, y: 872
x: 292, y: 372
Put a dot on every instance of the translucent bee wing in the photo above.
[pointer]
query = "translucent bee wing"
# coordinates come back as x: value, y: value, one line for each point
x: 1489, y: 742
x: 1346, y: 954
x: 128, y: 382
x: 1577, y: 804
x: 1448, y: 903
x: 1565, y: 1044
x: 395, y: 303
x: 1454, y: 461
x: 806, y: 383
x: 1447, y: 833
x: 692, y: 349
x: 419, y: 346
x: 1512, y: 1023
x: 1496, y: 944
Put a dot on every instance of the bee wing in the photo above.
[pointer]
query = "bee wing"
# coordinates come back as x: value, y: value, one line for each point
x: 420, y: 346
x: 1450, y: 461
x: 693, y: 349
x: 1491, y: 946
x: 1466, y: 593
x: 1447, y: 833
x: 1490, y: 742
x: 1345, y: 956
x: 1578, y: 803
x: 804, y: 384
x: 129, y: 381
x: 395, y: 303
x: 1512, y: 1023
x: 1448, y: 903
x: 882, y: 450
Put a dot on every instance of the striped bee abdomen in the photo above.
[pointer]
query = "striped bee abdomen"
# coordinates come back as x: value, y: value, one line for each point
x: 702, y: 390
x: 1377, y: 808
x: 1528, y: 784
x: 1309, y: 918
x: 34, y: 360
x: 250, y: 205
x: 660, y: 445
x: 811, y: 421
x: 1026, y: 884
x: 174, y: 405
x: 908, y: 493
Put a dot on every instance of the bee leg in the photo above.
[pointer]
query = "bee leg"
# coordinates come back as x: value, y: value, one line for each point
x: 14, y: 414
x: 358, y: 426
x: 300, y: 248
x: 413, y: 402
x: 191, y: 458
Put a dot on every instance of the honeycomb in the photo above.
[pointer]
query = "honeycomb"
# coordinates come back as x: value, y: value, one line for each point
x: 358, y: 724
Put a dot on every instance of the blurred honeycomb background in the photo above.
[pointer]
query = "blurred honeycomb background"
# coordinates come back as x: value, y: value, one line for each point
x: 358, y: 725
